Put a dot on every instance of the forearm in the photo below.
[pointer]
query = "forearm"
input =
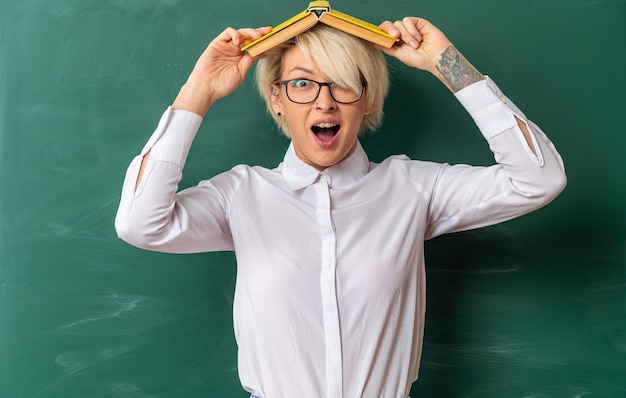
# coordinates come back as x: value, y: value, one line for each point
x: 455, y: 71
x: 194, y: 97
x: 172, y: 140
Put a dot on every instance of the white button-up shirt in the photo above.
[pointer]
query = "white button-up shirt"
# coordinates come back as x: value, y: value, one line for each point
x: 330, y: 291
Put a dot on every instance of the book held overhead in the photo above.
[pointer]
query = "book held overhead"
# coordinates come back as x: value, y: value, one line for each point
x: 319, y: 11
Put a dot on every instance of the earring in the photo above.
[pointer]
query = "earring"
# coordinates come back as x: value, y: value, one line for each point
x: 279, y: 114
x: 274, y: 91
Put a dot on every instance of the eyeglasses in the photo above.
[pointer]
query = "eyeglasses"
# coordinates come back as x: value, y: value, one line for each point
x: 305, y: 91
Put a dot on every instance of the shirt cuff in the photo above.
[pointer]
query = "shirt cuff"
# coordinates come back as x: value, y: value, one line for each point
x: 491, y: 110
x: 173, y: 136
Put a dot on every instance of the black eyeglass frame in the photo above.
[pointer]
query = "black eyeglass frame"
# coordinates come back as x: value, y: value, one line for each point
x: 319, y: 89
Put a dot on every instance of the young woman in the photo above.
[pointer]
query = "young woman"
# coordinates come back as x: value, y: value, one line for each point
x: 330, y: 291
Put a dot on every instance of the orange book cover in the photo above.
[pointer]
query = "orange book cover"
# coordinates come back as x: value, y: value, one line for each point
x: 319, y: 11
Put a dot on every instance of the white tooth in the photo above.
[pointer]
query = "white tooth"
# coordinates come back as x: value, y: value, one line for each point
x: 325, y: 125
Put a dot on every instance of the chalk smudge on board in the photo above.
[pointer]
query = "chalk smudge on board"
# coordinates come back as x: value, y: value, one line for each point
x: 124, y: 303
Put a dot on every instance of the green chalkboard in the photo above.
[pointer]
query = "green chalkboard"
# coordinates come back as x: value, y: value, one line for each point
x: 535, y: 307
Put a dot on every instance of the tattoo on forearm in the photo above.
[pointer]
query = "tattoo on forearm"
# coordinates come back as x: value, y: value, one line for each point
x: 456, y: 71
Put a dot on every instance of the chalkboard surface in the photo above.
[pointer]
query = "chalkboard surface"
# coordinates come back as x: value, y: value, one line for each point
x: 535, y: 307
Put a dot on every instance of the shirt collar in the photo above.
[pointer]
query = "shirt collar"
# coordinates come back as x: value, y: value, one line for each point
x: 299, y: 175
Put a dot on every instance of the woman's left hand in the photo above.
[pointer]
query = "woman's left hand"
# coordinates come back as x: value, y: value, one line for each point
x: 425, y: 47
x: 421, y: 43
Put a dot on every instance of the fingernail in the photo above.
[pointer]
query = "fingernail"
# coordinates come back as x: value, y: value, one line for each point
x: 413, y: 44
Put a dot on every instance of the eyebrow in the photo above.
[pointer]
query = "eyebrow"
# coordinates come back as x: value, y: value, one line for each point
x: 301, y: 69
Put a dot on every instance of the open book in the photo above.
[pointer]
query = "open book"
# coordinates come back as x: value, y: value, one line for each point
x: 319, y: 11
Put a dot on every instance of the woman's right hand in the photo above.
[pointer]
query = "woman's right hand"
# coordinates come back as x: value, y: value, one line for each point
x: 221, y: 68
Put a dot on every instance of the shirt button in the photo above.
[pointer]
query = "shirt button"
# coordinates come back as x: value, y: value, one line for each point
x: 323, y: 178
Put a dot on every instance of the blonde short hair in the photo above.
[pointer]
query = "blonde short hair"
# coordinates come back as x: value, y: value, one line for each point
x: 345, y: 59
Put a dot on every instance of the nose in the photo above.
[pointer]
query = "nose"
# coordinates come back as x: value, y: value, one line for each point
x: 325, y: 100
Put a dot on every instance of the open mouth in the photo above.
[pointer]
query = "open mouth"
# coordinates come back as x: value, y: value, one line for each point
x: 325, y: 132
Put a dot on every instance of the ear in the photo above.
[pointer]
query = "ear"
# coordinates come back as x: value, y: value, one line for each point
x: 277, y: 104
x: 369, y: 110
